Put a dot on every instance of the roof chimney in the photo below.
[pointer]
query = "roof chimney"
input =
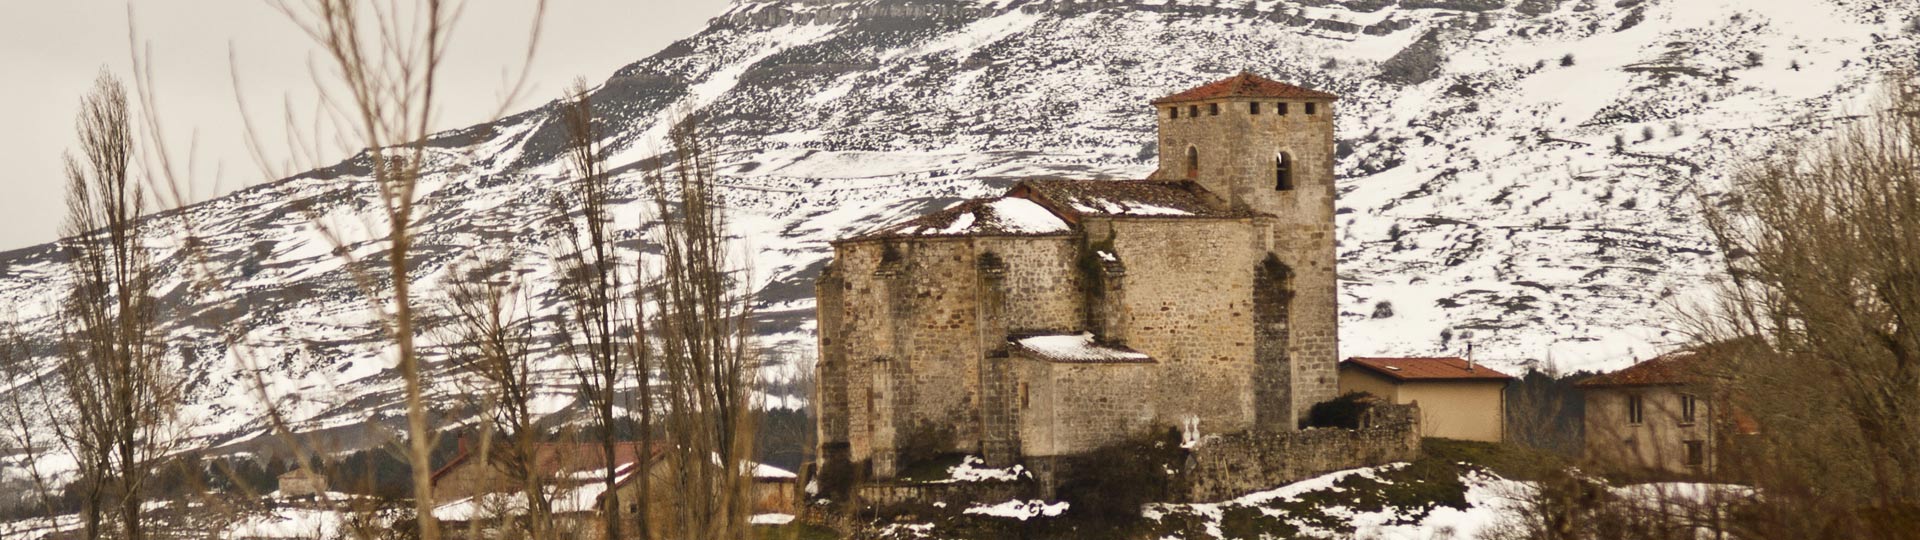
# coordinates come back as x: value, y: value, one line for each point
x: 1469, y: 357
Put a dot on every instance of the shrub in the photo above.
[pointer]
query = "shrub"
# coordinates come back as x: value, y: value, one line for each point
x: 1566, y: 61
x: 1106, y: 488
x: 1341, y: 412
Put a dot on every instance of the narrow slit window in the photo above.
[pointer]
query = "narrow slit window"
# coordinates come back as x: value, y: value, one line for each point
x: 1310, y: 107
x: 1193, y: 162
x: 1283, y: 172
x: 1253, y: 107
x: 1024, y: 401
x: 1213, y: 109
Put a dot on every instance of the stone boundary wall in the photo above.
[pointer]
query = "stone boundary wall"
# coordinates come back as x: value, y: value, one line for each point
x: 955, y: 494
x: 1232, y: 465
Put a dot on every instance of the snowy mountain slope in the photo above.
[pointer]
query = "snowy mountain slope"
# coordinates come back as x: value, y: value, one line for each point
x: 1482, y: 197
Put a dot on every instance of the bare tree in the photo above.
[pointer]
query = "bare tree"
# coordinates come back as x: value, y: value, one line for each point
x: 706, y: 360
x: 492, y: 333
x: 1823, y: 243
x: 604, y: 312
x: 113, y: 367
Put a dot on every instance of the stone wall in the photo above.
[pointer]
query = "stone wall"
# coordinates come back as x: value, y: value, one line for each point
x: 1189, y: 305
x: 906, y: 326
x: 1237, y: 151
x: 1068, y: 408
x: 1227, y: 466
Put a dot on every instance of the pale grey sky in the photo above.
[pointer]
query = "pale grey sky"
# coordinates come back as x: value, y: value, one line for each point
x: 51, y: 51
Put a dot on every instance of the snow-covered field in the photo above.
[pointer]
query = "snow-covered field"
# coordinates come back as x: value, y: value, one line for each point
x: 1521, y: 178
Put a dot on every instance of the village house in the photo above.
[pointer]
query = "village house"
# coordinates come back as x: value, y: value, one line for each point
x: 1458, y: 399
x: 478, y: 490
x: 302, y: 482
x: 1659, y: 416
x: 1065, y: 315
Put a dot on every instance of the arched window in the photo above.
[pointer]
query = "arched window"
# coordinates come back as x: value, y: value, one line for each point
x: 1193, y: 162
x: 1283, y: 172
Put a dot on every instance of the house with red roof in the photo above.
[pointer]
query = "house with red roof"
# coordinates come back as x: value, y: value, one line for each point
x: 1662, y: 415
x: 1458, y: 399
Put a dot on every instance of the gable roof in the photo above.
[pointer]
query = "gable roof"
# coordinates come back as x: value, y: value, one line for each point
x: 994, y: 216
x: 1450, y: 368
x: 1075, y: 199
x: 1246, y: 84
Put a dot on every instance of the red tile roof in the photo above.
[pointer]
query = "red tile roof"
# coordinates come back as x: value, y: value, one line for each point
x: 1681, y: 367
x: 1427, y: 369
x: 1245, y: 84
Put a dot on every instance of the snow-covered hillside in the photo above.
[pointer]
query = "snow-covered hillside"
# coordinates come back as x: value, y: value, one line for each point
x: 1483, y: 197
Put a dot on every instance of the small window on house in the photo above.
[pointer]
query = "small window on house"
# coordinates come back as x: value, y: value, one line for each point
x: 1696, y: 453
x: 1688, y: 407
x: 1280, y: 108
x: 1023, y: 396
x: 633, y: 508
x: 1193, y: 162
x: 1193, y: 111
x: 1213, y: 109
x: 1173, y: 112
x: 1283, y: 172
x: 1253, y: 107
x: 1309, y: 106
x: 1633, y: 410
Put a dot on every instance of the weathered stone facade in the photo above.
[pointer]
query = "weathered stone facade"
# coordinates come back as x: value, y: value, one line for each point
x: 1067, y: 315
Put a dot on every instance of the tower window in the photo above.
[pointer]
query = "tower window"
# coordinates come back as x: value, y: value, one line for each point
x: 1173, y: 112
x: 1193, y: 162
x: 1281, y: 107
x: 1283, y: 172
x: 1310, y: 107
x: 1193, y: 111
x: 1253, y: 107
x: 1213, y: 109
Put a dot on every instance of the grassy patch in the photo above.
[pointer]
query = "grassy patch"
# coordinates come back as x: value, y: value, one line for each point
x: 1506, y: 460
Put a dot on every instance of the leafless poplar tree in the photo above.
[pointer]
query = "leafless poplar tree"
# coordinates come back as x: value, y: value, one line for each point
x: 603, y: 319
x: 706, y: 360
x: 122, y: 391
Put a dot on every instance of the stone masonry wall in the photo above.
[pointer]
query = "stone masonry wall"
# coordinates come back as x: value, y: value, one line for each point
x: 1231, y: 465
x: 1189, y: 293
x: 904, y: 341
x: 1237, y: 151
x: 1067, y: 408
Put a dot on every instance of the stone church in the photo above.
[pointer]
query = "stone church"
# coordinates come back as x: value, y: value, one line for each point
x: 1066, y: 315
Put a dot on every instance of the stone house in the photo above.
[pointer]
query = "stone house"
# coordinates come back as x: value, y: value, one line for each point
x: 1660, y: 416
x: 1458, y: 399
x: 1065, y: 315
x: 302, y: 482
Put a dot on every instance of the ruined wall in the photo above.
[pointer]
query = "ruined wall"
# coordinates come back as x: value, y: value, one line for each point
x: 1068, y: 408
x: 1237, y: 151
x: 1230, y: 465
x: 1189, y: 299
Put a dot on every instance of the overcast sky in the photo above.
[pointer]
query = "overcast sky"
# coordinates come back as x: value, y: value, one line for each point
x: 51, y: 51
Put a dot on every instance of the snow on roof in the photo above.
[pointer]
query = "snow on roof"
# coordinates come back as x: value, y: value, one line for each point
x: 1078, y: 348
x: 762, y: 471
x: 996, y: 216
